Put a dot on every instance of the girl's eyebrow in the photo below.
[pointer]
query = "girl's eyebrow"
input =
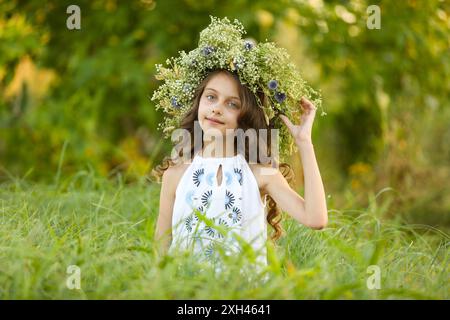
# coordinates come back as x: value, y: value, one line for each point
x: 216, y: 91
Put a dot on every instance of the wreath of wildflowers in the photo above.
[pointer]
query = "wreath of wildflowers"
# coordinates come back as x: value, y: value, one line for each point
x: 262, y: 66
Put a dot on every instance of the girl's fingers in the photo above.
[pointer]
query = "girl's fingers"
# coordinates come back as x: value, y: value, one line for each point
x: 306, y: 104
x: 286, y: 121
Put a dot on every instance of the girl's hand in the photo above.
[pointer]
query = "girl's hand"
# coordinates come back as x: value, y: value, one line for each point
x: 302, y: 132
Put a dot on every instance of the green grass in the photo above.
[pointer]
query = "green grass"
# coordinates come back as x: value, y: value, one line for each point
x: 106, y: 228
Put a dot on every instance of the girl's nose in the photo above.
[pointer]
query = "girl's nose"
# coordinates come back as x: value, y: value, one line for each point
x: 217, y: 109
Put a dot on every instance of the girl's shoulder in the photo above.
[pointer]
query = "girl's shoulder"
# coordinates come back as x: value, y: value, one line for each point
x: 174, y: 173
x: 262, y: 173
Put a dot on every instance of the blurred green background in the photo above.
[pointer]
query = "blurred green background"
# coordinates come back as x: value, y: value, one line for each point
x: 74, y: 100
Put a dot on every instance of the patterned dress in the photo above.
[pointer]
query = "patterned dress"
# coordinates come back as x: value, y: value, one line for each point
x: 209, y: 218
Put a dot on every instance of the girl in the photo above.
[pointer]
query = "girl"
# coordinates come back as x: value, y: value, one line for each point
x: 220, y: 198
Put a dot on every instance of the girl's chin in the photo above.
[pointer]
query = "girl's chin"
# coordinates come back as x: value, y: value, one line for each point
x: 210, y: 131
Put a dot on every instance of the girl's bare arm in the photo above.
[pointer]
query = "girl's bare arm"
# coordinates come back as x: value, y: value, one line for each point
x: 163, y: 232
x: 311, y: 211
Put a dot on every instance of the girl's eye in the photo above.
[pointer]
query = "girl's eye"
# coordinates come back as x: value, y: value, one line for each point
x: 232, y: 104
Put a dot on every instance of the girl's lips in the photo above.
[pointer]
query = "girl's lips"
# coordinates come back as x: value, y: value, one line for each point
x: 214, y: 121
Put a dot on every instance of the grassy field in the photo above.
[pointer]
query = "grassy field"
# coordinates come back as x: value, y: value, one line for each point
x: 106, y: 229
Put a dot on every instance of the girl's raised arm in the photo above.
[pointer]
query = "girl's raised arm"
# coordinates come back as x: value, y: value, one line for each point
x: 311, y: 211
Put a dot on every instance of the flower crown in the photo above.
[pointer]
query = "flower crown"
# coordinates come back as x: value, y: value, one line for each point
x: 262, y: 66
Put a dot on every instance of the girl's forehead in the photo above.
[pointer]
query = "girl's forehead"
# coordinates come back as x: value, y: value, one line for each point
x: 223, y: 84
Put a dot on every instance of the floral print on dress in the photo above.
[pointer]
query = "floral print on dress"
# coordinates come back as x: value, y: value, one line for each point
x: 199, y: 197
x: 212, y: 231
x: 190, y: 197
x: 229, y: 199
x: 209, y: 250
x: 228, y: 178
x: 191, y: 222
x: 221, y: 223
x: 235, y: 215
x: 198, y: 176
x: 238, y: 173
x: 206, y: 198
x: 209, y: 178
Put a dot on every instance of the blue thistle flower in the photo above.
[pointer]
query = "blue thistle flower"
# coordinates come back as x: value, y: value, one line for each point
x: 273, y: 84
x: 206, y: 51
x: 193, y: 63
x: 280, y: 97
x: 248, y: 45
x: 186, y: 88
x: 175, y: 102
x: 238, y: 62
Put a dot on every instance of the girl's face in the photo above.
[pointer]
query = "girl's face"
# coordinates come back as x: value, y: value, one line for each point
x: 219, y: 101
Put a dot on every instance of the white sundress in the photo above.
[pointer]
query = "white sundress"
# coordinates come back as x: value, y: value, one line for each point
x: 235, y: 204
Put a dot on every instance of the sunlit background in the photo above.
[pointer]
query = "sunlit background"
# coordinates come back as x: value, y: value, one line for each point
x: 78, y: 100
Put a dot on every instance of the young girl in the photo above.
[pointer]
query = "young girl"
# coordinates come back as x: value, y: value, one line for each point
x: 219, y: 197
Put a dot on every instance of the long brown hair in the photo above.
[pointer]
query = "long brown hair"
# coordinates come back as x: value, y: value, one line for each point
x: 251, y: 116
